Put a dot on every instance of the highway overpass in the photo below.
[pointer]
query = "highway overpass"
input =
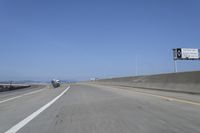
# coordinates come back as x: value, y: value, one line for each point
x: 98, y: 108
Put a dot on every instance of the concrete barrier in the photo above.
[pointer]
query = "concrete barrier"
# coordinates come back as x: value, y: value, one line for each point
x: 186, y: 82
x: 8, y: 87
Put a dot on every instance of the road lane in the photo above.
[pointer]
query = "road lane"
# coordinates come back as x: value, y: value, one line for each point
x: 16, y: 110
x: 86, y: 109
x: 19, y: 96
x: 25, y: 121
x: 18, y: 92
x: 193, y: 99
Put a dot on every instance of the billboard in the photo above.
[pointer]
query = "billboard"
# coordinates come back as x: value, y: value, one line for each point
x: 186, y: 54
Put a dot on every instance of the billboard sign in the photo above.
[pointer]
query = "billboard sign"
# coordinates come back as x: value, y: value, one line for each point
x: 186, y: 54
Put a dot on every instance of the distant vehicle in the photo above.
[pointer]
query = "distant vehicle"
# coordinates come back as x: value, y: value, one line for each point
x: 55, y: 83
x: 93, y: 79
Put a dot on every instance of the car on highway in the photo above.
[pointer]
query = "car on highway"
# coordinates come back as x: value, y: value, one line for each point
x: 55, y: 83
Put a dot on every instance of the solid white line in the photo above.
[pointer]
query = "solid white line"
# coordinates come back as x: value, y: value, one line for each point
x: 9, y: 99
x: 22, y: 123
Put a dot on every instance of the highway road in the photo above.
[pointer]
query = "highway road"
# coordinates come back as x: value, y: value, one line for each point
x: 84, y: 108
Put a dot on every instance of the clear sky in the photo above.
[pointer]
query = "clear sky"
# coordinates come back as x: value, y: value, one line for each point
x: 70, y: 39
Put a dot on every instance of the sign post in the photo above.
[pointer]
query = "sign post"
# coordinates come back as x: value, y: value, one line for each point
x: 185, y: 54
x: 175, y: 66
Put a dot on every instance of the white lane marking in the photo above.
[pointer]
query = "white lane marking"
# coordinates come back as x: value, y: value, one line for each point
x: 22, y: 123
x: 9, y: 99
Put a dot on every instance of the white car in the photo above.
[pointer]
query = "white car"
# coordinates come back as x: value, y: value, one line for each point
x: 55, y: 83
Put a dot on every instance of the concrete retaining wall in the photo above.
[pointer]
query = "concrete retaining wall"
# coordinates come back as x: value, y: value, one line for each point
x: 7, y: 87
x: 187, y: 82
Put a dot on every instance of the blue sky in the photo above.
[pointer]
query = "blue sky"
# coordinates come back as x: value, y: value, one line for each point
x: 70, y: 39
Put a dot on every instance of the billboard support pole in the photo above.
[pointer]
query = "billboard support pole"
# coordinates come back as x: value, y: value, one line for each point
x: 175, y: 66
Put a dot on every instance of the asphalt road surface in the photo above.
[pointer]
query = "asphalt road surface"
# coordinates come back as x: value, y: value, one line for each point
x: 95, y: 109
